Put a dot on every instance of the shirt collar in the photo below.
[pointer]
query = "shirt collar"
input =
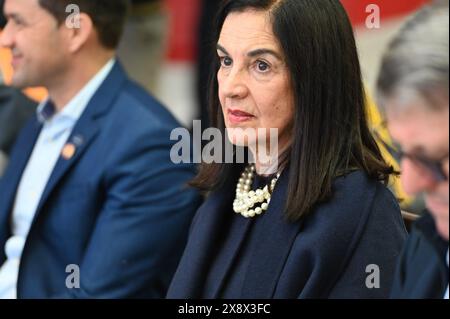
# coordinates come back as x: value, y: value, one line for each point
x: 46, y: 111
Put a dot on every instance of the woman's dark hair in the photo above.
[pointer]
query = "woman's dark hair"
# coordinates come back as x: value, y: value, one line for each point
x: 330, y: 135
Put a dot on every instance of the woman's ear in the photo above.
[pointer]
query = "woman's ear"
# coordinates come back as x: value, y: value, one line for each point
x: 80, y: 32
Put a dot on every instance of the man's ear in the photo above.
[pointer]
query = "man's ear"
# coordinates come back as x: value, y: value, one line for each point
x: 80, y: 30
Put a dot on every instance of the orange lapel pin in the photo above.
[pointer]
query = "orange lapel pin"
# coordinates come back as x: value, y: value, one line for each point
x: 68, y: 151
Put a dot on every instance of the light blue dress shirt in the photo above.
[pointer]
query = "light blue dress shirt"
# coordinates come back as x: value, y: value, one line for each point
x: 57, y: 128
x: 446, y: 292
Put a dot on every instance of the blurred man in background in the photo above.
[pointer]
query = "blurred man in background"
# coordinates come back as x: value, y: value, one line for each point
x: 15, y: 110
x: 91, y: 206
x: 414, y: 94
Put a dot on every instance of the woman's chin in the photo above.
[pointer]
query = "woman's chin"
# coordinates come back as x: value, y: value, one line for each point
x: 244, y: 137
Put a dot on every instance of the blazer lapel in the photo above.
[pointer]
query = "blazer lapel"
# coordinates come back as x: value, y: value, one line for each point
x: 17, y: 165
x: 85, y: 130
x: 202, y: 246
x: 204, y: 241
x: 277, y: 237
x: 80, y: 139
x: 229, y: 255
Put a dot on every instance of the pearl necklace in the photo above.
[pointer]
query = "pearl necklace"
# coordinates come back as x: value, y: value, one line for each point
x: 251, y: 203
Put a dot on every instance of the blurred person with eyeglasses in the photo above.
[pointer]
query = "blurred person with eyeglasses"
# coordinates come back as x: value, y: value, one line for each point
x: 413, y: 92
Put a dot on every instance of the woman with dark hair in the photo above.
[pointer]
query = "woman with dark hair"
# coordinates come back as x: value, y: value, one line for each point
x: 320, y: 222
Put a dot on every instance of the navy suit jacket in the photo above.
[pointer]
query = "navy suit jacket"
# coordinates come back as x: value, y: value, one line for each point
x: 422, y: 271
x: 325, y: 255
x: 118, y: 209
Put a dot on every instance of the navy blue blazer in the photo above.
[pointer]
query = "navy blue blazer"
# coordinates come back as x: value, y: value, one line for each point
x: 325, y: 255
x: 422, y: 271
x: 118, y: 208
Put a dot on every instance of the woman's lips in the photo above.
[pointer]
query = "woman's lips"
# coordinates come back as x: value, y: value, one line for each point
x: 238, y: 116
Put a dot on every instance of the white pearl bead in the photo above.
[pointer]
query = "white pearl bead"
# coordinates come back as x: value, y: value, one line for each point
x: 247, y: 201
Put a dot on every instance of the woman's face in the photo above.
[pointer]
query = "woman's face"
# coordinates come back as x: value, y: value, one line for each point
x: 254, y: 84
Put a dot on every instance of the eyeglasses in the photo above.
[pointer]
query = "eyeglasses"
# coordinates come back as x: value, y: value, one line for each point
x: 435, y: 168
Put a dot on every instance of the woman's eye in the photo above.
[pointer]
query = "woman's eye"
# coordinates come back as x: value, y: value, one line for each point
x: 226, y: 61
x: 262, y: 66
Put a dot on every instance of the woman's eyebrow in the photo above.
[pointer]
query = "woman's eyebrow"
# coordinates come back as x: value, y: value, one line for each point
x: 221, y: 48
x: 253, y: 53
x: 258, y: 52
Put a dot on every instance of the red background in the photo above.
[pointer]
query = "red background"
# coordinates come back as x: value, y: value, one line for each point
x: 184, y: 16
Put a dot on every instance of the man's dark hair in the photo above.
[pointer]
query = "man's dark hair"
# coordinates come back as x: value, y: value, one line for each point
x: 2, y: 16
x: 108, y: 16
x: 331, y: 136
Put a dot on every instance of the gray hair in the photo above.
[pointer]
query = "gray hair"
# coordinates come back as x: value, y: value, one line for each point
x: 416, y: 63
